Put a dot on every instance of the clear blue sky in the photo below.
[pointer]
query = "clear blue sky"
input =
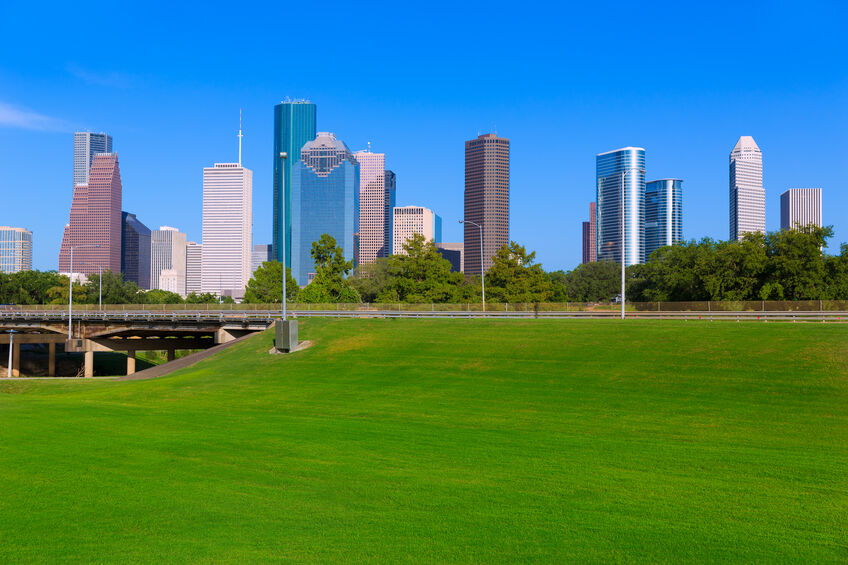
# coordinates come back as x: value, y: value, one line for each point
x: 563, y: 81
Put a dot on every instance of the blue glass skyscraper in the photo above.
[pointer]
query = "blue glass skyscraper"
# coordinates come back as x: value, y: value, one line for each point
x: 294, y: 126
x: 390, y: 185
x: 663, y: 214
x: 625, y: 165
x: 325, y: 199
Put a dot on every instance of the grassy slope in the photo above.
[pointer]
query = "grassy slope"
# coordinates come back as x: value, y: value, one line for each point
x: 417, y: 440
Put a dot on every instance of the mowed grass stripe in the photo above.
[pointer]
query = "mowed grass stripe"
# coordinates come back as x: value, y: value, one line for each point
x: 446, y: 440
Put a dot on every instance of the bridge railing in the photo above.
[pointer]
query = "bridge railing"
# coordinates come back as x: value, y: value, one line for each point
x: 705, y: 306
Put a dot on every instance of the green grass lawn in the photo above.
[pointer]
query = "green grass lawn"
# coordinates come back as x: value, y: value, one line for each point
x: 446, y: 441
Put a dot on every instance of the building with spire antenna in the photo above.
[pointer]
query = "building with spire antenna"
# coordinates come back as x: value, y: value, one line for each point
x: 227, y: 227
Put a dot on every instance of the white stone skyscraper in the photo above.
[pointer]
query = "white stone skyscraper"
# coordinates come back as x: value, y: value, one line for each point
x: 227, y: 229
x: 747, y: 195
x: 372, y: 205
x: 800, y: 207
x: 168, y: 259
x: 86, y: 146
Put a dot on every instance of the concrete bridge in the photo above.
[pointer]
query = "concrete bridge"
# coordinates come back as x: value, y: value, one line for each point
x: 128, y: 332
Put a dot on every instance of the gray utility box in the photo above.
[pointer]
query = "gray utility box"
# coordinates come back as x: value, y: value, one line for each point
x: 286, y: 339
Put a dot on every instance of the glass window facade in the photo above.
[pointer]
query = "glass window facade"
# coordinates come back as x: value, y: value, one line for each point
x: 390, y: 185
x: 15, y: 249
x: 325, y: 199
x: 613, y: 168
x: 294, y: 126
x: 135, y: 251
x: 663, y: 214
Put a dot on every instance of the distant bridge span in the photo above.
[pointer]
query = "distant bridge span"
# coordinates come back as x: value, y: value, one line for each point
x: 129, y: 332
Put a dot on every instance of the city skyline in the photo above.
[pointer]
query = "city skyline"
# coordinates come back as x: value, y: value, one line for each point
x: 791, y: 101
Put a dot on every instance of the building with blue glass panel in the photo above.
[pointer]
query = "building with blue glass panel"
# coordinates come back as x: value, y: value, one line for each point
x: 390, y: 185
x: 294, y: 126
x: 663, y: 214
x: 325, y: 199
x: 135, y: 251
x: 623, y: 166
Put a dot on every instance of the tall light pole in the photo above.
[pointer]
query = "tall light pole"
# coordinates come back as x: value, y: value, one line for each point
x: 11, y: 345
x: 482, y: 268
x: 71, y: 284
x: 623, y: 174
x: 283, y: 157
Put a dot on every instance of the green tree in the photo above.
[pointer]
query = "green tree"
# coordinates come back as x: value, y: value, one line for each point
x: 266, y: 285
x: 115, y: 289
x: 203, y: 298
x: 796, y: 261
x: 30, y: 287
x: 516, y: 277
x: 331, y: 268
x: 158, y: 296
x: 371, y: 279
x: 591, y: 282
x: 420, y: 275
x: 59, y: 293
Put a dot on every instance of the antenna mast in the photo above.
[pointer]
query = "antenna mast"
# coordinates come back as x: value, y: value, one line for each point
x: 239, y: 136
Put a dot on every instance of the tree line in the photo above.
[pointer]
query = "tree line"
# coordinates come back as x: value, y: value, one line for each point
x: 419, y: 275
x: 49, y: 287
x: 780, y: 265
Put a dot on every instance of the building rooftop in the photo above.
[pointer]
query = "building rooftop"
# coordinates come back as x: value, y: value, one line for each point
x: 746, y: 143
x: 622, y: 149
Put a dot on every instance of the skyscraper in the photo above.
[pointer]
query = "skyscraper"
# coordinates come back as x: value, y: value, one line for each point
x: 135, y: 251
x: 168, y: 253
x: 410, y: 220
x: 747, y: 195
x: 194, y: 267
x: 590, y: 248
x: 663, y: 214
x: 486, y: 199
x: 86, y: 146
x: 325, y: 199
x: 372, y: 205
x: 390, y: 184
x: 627, y: 163
x: 95, y: 219
x: 800, y: 206
x: 294, y: 126
x: 261, y: 254
x: 227, y: 229
x: 15, y: 249
x: 453, y: 253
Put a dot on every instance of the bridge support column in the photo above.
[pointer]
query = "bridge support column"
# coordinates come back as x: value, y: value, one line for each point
x: 16, y: 360
x: 130, y: 362
x: 89, y: 364
x: 51, y: 359
x: 172, y: 354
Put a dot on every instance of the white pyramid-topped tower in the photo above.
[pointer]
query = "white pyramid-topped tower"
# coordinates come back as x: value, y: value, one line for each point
x: 747, y: 195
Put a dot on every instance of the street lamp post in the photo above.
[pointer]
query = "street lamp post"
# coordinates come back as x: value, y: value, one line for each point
x: 482, y: 269
x: 286, y: 331
x: 11, y: 345
x: 283, y: 157
x: 71, y: 285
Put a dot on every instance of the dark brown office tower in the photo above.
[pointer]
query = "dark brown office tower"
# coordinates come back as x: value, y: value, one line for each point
x: 486, y: 199
x: 590, y: 250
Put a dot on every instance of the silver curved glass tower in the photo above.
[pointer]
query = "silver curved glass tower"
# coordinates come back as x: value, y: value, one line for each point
x: 663, y: 214
x: 625, y: 165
